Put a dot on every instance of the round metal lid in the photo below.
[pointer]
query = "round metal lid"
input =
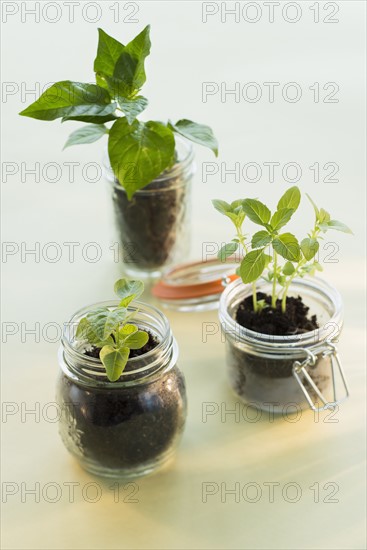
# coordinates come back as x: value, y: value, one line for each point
x: 195, y: 286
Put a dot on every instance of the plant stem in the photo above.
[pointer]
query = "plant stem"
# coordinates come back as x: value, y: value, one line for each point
x: 313, y: 235
x: 284, y: 297
x: 254, y: 297
x: 274, y: 293
x: 241, y: 238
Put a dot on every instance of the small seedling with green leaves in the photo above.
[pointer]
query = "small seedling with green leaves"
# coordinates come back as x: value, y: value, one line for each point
x: 111, y: 330
x: 288, y: 257
x: 138, y: 151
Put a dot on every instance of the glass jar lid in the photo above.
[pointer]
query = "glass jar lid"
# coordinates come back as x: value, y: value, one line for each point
x: 195, y: 286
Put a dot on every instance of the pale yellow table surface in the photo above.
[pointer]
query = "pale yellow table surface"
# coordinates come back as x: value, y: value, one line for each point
x: 171, y: 512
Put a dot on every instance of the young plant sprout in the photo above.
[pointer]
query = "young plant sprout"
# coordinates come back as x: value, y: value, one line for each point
x: 288, y: 257
x: 111, y: 331
x: 139, y: 151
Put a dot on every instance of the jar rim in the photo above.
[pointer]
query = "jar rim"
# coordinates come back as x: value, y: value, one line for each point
x: 94, y: 364
x: 306, y: 339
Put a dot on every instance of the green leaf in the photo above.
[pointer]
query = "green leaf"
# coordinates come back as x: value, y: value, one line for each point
x: 237, y: 214
x: 139, y: 152
x: 101, y: 81
x: 335, y: 224
x: 95, y: 322
x: 252, y: 265
x: 82, y: 328
x: 260, y: 239
x: 126, y: 330
x: 72, y: 101
x: 132, y: 107
x: 308, y: 269
x: 317, y: 212
x: 233, y: 211
x: 114, y: 361
x: 95, y: 115
x: 121, y: 92
x: 323, y: 227
x: 113, y: 320
x: 86, y: 331
x: 198, y: 133
x: 261, y: 304
x: 86, y: 134
x: 128, y: 290
x: 281, y: 217
x: 104, y: 320
x: 290, y: 199
x: 287, y: 246
x: 227, y: 250
x: 129, y: 67
x: 256, y: 211
x: 309, y: 248
x: 137, y: 340
x: 222, y: 206
x: 237, y: 204
x: 324, y: 216
x: 288, y: 268
x: 108, y: 52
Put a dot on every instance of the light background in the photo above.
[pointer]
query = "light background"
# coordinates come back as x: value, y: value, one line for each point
x: 185, y: 53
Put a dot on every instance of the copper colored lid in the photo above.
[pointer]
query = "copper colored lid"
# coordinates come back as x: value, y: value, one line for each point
x: 196, y: 280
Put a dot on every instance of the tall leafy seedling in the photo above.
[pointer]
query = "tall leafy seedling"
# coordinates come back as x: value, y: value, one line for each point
x: 272, y: 253
x: 138, y: 151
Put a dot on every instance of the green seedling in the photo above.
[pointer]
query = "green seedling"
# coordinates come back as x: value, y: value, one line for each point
x: 287, y: 258
x: 112, y: 331
x: 138, y: 151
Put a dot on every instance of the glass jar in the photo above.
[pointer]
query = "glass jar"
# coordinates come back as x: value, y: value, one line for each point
x: 154, y: 226
x: 130, y: 427
x: 273, y: 373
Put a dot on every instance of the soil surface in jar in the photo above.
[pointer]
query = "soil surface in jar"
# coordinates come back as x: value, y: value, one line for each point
x: 127, y: 428
x: 150, y: 223
x: 295, y: 320
x: 246, y: 367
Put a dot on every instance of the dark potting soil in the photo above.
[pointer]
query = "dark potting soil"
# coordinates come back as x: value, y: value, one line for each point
x: 295, y: 320
x: 125, y: 428
x: 150, y: 223
x: 253, y: 376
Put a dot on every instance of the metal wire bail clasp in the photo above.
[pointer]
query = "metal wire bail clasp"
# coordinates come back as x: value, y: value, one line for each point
x: 299, y: 370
